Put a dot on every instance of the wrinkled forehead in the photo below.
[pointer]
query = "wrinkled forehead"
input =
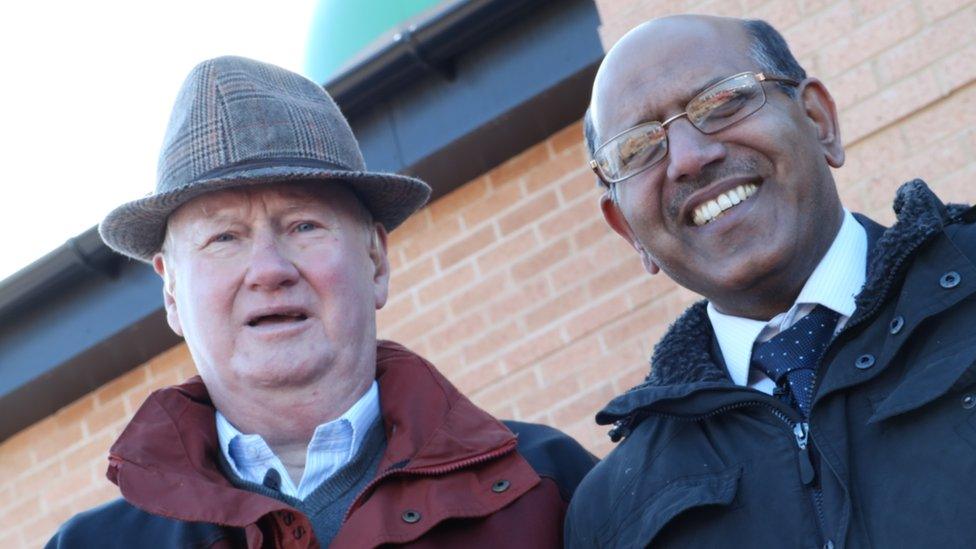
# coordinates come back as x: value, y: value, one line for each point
x: 228, y: 204
x: 663, y: 63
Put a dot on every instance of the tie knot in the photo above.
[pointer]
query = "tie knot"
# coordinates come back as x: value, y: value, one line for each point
x: 798, y: 347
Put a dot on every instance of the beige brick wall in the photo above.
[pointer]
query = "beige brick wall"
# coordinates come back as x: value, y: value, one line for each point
x: 515, y: 288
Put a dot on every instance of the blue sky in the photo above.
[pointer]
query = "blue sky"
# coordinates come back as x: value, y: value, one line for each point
x: 85, y: 93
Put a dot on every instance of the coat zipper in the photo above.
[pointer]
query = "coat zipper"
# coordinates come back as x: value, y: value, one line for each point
x: 800, y: 431
x: 431, y: 471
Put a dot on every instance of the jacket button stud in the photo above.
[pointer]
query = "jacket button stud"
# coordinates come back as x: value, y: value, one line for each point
x: 828, y: 545
x: 298, y: 532
x: 500, y: 486
x: 410, y: 516
x: 969, y: 401
x: 950, y: 279
x: 864, y: 362
x: 896, y: 324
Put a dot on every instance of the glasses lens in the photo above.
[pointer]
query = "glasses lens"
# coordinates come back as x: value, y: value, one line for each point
x: 631, y: 152
x: 726, y: 103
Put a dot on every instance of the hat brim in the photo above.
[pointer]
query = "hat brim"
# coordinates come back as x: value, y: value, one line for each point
x: 137, y: 229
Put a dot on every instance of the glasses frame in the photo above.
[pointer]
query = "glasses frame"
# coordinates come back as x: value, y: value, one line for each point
x: 760, y: 78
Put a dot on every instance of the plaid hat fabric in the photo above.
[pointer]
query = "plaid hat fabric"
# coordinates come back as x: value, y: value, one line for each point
x: 240, y: 122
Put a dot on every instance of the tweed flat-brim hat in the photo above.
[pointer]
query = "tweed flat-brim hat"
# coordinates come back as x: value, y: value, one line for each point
x: 239, y: 122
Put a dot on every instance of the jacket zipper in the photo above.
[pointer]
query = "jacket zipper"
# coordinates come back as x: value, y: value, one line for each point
x: 800, y: 431
x: 431, y: 471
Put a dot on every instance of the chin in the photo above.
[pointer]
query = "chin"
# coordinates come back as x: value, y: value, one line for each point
x: 280, y: 371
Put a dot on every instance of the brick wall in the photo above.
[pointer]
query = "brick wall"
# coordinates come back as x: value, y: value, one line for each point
x: 515, y: 288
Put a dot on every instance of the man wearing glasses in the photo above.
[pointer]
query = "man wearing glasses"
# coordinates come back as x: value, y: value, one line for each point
x: 824, y: 395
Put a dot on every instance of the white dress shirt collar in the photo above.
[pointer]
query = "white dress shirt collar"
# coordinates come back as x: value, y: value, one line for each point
x: 333, y: 445
x: 834, y: 282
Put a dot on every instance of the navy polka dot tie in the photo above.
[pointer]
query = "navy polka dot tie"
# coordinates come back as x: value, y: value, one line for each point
x: 792, y: 357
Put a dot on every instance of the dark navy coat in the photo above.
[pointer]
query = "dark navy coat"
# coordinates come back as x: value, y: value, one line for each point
x: 887, y: 459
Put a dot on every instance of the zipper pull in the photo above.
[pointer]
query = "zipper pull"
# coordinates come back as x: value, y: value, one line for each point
x: 801, y: 431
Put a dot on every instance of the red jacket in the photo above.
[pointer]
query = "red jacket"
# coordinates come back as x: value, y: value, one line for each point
x: 465, y: 473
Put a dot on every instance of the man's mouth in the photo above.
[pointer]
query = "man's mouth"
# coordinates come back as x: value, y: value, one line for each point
x: 711, y: 210
x: 277, y: 317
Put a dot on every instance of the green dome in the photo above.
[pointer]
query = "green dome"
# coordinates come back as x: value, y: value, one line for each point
x: 342, y: 28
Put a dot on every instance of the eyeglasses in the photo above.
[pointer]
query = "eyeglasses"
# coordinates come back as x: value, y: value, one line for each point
x: 718, y: 107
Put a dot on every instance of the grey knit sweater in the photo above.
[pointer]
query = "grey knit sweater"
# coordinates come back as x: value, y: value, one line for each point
x: 326, y: 506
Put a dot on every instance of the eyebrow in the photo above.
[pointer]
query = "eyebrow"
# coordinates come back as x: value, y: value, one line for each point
x: 685, y: 99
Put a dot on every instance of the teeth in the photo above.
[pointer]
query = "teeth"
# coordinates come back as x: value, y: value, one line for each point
x: 713, y: 208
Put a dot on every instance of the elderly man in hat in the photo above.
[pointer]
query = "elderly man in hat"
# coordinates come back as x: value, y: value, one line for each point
x: 302, y: 430
x: 825, y: 393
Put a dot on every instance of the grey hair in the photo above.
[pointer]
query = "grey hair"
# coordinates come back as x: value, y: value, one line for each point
x: 767, y: 48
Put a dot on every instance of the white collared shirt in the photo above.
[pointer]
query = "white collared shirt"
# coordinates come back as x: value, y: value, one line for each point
x: 834, y: 282
x: 333, y: 445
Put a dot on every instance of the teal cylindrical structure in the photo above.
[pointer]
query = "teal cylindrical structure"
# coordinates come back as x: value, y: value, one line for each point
x: 342, y: 28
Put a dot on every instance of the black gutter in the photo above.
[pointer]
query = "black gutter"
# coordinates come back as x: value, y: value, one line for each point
x: 421, y: 47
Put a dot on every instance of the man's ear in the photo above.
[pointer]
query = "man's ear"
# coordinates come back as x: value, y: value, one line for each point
x: 169, y: 296
x: 820, y: 110
x: 381, y: 264
x: 615, y: 218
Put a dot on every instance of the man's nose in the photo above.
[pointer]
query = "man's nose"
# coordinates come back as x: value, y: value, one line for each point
x: 270, y: 267
x: 690, y: 150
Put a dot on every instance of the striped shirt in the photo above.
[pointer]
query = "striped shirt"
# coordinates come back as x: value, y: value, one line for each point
x: 834, y: 282
x: 333, y: 445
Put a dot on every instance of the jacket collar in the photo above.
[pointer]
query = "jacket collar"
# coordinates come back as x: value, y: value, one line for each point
x: 682, y: 362
x: 165, y: 461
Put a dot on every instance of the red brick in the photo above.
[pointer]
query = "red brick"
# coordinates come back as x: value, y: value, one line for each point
x: 521, y: 298
x: 19, y: 513
x: 412, y: 275
x: 541, y: 261
x: 419, y: 222
x: 583, y: 182
x: 596, y: 316
x: 936, y: 122
x: 528, y: 212
x: 935, y: 9
x: 469, y: 245
x: 117, y: 387
x: 549, y: 172
x: 569, y: 217
x: 578, y: 355
x: 869, y: 39
x: 926, y: 47
x: 477, y: 377
x: 397, y: 310
x: 458, y: 199
x: 533, y: 348
x: 519, y: 165
x: 574, y: 271
x: 507, y: 250
x: 865, y: 10
x: 501, y: 198
x: 555, y: 309
x: 488, y: 344
x: 476, y: 296
x: 93, y: 450
x: 892, y: 104
x: 458, y: 331
x: 853, y: 86
x: 811, y: 33
x: 532, y: 405
x: 570, y: 136
x: 105, y: 415
x: 436, y: 289
x: 958, y: 69
x: 636, y: 324
x: 412, y: 332
x: 427, y: 242
x: 584, y: 405
x: 509, y: 388
x: 596, y: 232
